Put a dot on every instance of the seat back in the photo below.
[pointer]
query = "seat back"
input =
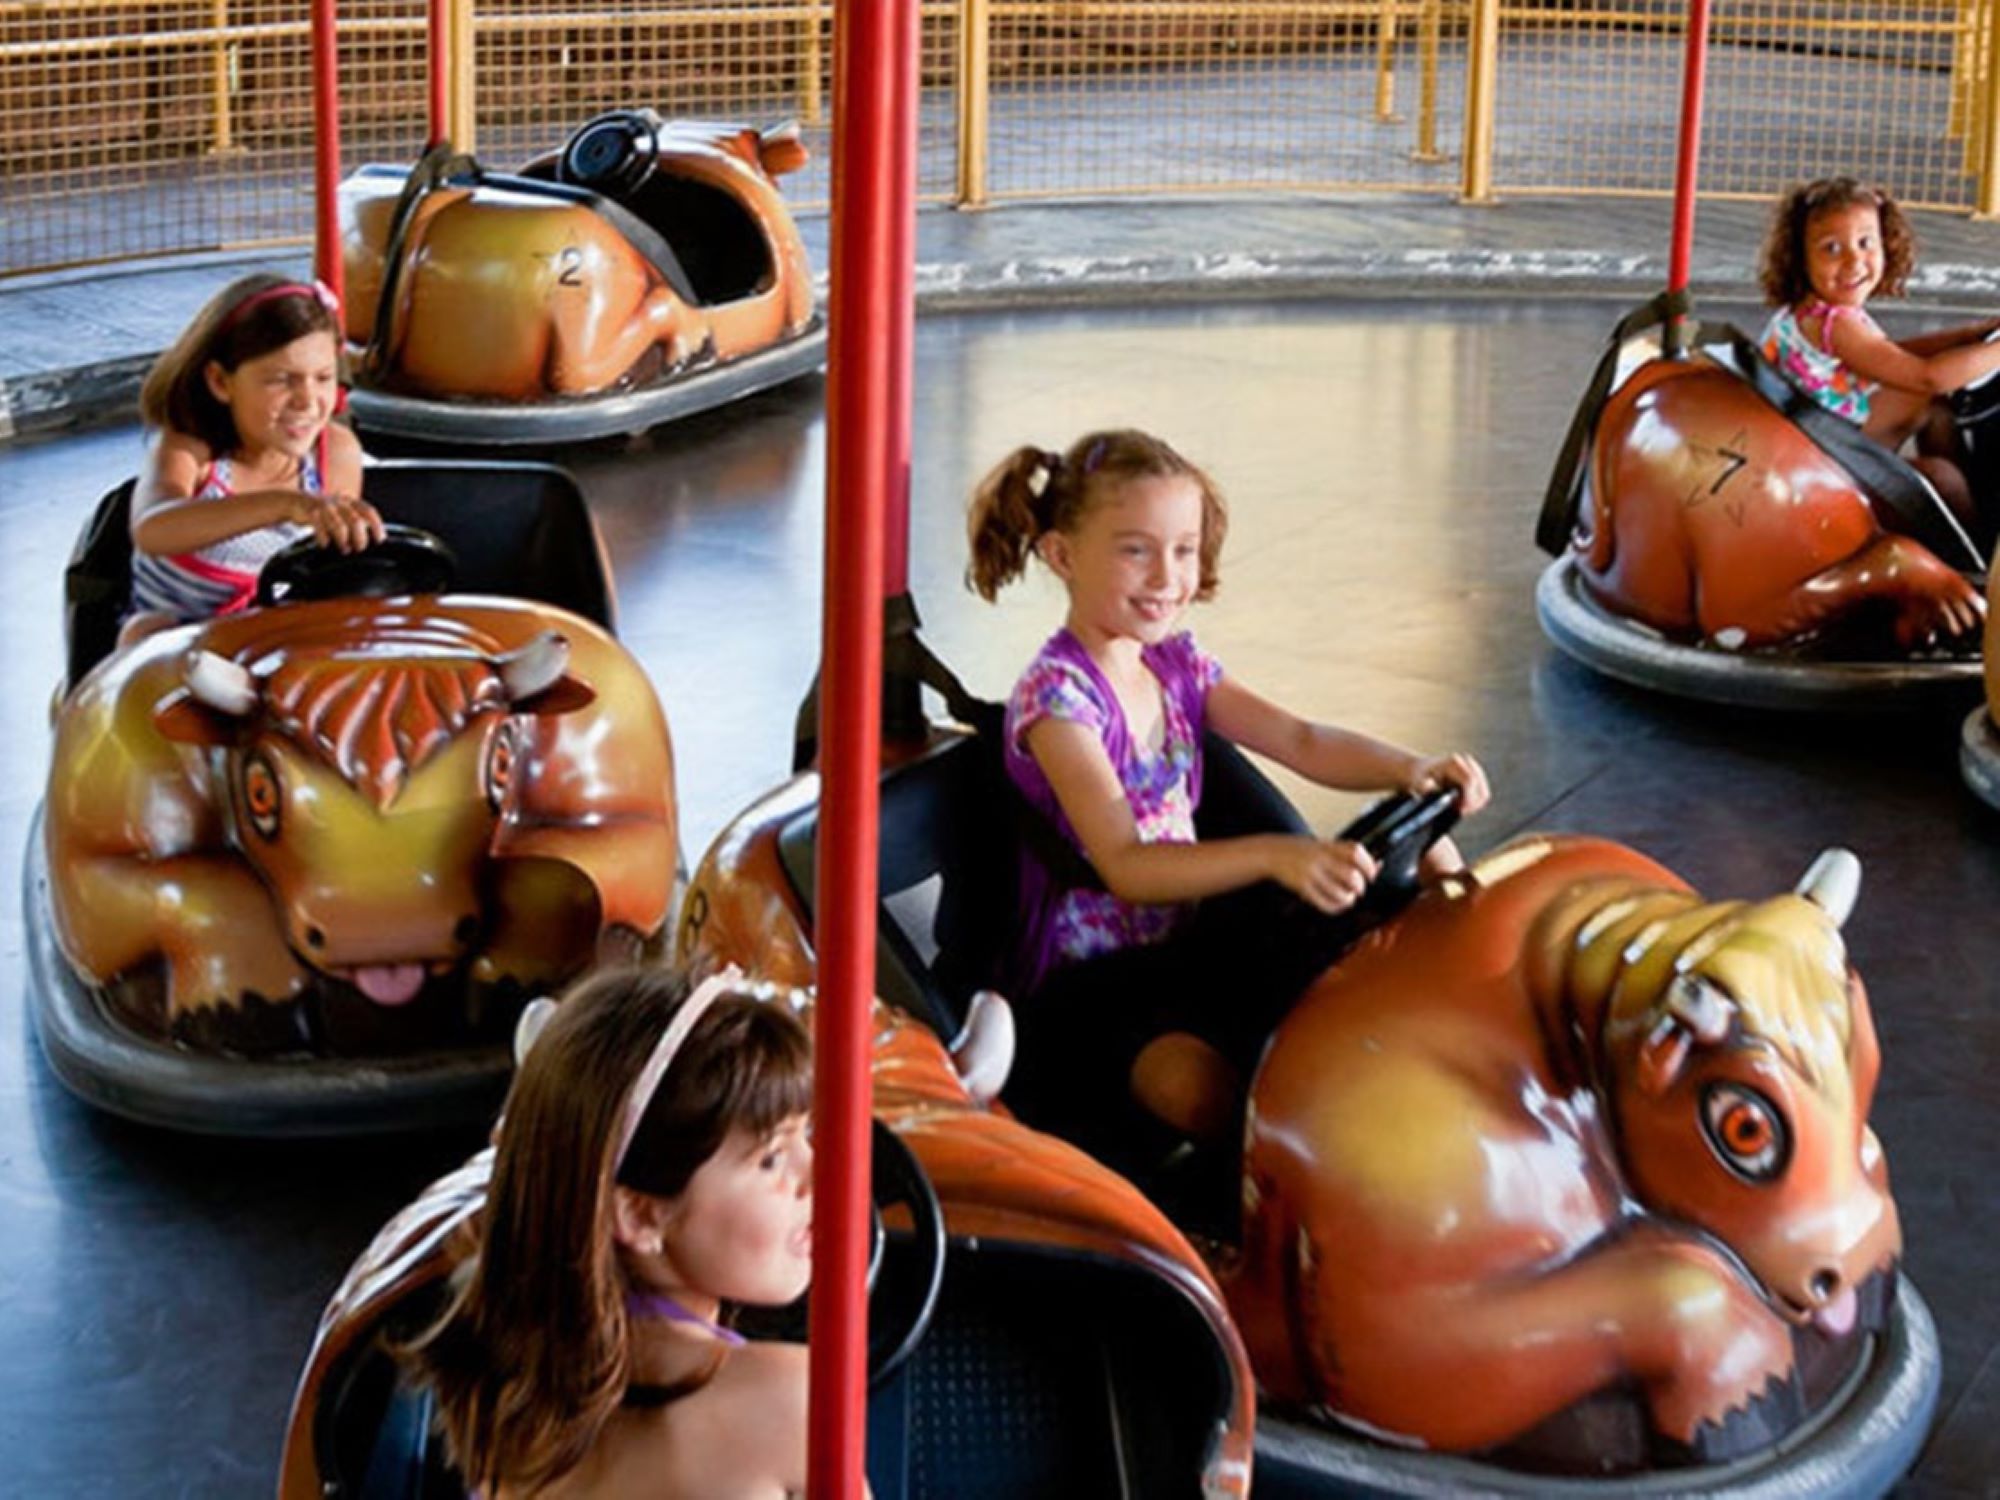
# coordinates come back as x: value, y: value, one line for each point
x: 952, y: 837
x: 520, y: 530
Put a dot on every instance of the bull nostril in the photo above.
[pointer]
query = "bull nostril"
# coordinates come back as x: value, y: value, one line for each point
x: 315, y: 938
x: 1824, y: 1285
x: 466, y: 931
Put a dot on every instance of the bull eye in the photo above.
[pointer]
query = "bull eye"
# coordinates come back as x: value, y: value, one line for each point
x: 500, y: 764
x: 260, y: 794
x: 1746, y: 1131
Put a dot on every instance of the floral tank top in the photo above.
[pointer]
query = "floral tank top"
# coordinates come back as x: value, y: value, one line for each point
x: 1163, y: 787
x: 1815, y: 368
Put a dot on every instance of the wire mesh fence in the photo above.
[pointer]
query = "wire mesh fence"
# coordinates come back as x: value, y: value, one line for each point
x: 135, y: 127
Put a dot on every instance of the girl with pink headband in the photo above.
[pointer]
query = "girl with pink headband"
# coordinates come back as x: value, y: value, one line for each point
x: 652, y: 1167
x: 244, y: 456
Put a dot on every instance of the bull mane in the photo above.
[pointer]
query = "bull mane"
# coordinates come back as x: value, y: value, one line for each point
x: 1785, y: 971
x: 376, y: 720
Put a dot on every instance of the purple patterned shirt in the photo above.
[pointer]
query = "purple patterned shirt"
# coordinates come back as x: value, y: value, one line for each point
x: 1163, y: 788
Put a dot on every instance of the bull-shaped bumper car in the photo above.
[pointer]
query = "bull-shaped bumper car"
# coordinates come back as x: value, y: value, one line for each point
x: 1721, y: 536
x: 298, y: 867
x: 1562, y: 1171
x: 647, y: 270
x: 1068, y: 1342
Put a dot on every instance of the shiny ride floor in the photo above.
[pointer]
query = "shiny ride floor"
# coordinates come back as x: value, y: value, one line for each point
x: 1383, y: 462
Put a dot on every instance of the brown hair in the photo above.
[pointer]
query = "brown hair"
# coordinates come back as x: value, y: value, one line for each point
x: 238, y: 323
x: 1781, y: 265
x: 1011, y: 511
x: 533, y: 1355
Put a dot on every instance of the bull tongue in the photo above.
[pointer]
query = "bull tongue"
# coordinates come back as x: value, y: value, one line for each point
x: 389, y: 984
x: 1837, y: 1317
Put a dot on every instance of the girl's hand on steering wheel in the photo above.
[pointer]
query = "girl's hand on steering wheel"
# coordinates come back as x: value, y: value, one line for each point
x: 344, y: 521
x: 1329, y: 875
x: 1459, y: 770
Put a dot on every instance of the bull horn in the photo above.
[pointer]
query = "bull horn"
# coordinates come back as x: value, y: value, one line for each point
x: 533, y: 668
x: 1701, y: 1006
x: 223, y: 685
x: 1832, y: 884
x: 535, y: 1016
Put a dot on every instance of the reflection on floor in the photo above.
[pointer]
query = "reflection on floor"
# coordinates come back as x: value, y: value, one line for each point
x: 1384, y: 463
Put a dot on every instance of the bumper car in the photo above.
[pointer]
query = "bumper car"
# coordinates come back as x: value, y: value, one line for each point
x: 1558, y: 1182
x: 647, y: 270
x: 298, y: 867
x: 1979, y: 742
x: 1718, y: 535
x: 1036, y: 1326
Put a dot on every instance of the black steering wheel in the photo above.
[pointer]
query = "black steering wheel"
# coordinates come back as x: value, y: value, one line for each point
x: 1398, y: 831
x: 614, y: 154
x: 905, y: 1272
x: 406, y: 561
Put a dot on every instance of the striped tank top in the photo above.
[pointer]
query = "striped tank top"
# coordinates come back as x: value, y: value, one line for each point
x: 221, y: 578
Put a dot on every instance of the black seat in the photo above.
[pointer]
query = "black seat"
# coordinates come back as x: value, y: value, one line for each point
x: 951, y: 828
x: 520, y: 530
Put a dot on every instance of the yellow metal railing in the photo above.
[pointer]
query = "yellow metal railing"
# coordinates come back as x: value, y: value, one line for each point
x: 136, y: 127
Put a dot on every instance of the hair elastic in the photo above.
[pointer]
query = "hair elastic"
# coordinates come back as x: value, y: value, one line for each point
x: 699, y: 999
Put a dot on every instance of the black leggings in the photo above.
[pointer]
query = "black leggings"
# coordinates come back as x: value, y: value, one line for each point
x: 1228, y: 975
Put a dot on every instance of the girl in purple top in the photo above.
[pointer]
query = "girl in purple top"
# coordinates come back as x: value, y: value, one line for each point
x: 1104, y: 735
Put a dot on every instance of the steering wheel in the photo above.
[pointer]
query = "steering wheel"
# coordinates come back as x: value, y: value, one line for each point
x: 406, y: 561
x: 1398, y: 831
x: 904, y: 1272
x: 614, y: 154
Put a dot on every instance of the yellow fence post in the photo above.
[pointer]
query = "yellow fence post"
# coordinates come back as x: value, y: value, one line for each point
x: 1429, y: 23
x: 461, y: 113
x: 1987, y: 205
x: 812, y: 66
x: 1978, y: 85
x: 975, y: 18
x: 1385, y: 61
x: 224, y: 127
x: 1482, y: 70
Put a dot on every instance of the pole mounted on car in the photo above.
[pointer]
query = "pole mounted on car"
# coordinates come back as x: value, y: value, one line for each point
x: 1680, y: 324
x: 868, y: 465
x: 327, y: 263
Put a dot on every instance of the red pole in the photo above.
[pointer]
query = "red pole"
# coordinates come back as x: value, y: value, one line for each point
x: 900, y: 331
x: 327, y: 264
x: 440, y: 67
x: 871, y: 196
x: 1692, y: 70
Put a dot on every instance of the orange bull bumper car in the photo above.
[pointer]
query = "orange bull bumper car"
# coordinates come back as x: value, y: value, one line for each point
x: 1036, y: 1327
x: 1719, y: 535
x: 298, y: 867
x: 1561, y: 1171
x: 647, y: 270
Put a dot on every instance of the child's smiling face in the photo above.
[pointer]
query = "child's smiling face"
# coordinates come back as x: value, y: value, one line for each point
x: 1133, y: 565
x: 1843, y: 248
x: 281, y: 401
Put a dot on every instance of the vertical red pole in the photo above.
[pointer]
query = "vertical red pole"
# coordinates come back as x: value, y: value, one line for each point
x: 439, y: 63
x: 900, y: 331
x: 1682, y: 252
x: 327, y: 264
x: 867, y: 380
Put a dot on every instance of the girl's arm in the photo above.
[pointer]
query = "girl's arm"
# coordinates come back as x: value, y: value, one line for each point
x: 1949, y: 338
x: 1337, y: 758
x: 166, y: 519
x: 1331, y: 876
x: 1872, y: 354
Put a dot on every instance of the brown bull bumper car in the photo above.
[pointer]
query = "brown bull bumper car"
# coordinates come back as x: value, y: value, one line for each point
x: 1525, y: 1172
x: 648, y: 270
x: 1718, y: 535
x: 1037, y: 1329
x: 298, y: 867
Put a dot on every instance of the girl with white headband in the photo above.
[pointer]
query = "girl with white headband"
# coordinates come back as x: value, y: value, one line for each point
x: 653, y: 1166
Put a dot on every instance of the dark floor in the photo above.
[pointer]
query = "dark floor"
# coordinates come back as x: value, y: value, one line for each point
x: 1385, y: 461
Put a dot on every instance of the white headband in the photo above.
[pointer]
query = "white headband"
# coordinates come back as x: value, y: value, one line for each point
x: 699, y: 999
